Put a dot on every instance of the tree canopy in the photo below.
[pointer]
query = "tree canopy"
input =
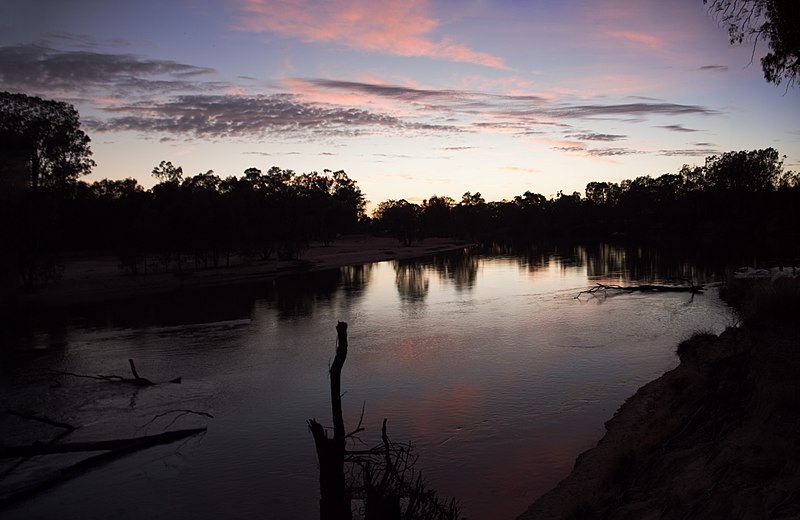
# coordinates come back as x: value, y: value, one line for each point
x: 45, y: 138
x: 777, y: 22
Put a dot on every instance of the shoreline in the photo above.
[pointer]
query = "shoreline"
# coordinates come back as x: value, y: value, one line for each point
x: 99, y: 279
x: 713, y: 438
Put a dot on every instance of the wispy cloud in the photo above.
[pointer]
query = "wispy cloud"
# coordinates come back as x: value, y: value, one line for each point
x: 396, y: 27
x: 90, y: 42
x: 163, y: 98
x: 591, y: 136
x: 692, y: 152
x: 520, y: 169
x: 629, y: 109
x: 218, y: 116
x: 678, y: 128
x: 714, y: 68
x: 527, y: 108
x: 611, y: 152
x: 637, y: 38
x: 44, y: 70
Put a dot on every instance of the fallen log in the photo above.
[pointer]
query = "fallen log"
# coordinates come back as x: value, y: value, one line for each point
x: 134, y: 443
x: 137, y: 380
x: 116, y: 449
x: 41, y: 418
x: 604, y: 289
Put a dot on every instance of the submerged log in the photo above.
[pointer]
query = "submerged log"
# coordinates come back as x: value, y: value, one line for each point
x: 116, y: 448
x: 130, y: 444
x: 604, y: 289
x: 137, y: 380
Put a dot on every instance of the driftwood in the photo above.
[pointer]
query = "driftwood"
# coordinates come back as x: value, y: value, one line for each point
x: 137, y: 380
x: 617, y: 289
x: 130, y: 444
x: 110, y: 449
x: 42, y: 419
x: 66, y: 430
x: 116, y: 448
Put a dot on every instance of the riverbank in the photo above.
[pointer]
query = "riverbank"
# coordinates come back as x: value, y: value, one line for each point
x: 714, y: 438
x: 100, y: 279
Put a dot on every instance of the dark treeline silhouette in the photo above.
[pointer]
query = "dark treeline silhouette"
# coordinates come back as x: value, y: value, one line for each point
x: 735, y: 198
x: 200, y: 221
x: 203, y: 221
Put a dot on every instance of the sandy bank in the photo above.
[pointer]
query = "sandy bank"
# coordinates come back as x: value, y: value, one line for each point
x: 717, y: 437
x: 91, y: 280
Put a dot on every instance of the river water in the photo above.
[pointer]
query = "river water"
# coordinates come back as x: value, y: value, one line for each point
x: 486, y: 363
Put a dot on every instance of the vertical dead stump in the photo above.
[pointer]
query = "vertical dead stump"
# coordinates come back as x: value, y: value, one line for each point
x: 334, y: 502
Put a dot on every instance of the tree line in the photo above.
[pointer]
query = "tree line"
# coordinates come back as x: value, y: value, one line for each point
x: 197, y: 222
x: 202, y: 221
x: 735, y: 196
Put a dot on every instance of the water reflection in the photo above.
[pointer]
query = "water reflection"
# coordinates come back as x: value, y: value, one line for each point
x: 616, y: 262
x: 483, y: 359
x: 354, y: 278
x: 412, y: 280
x: 459, y: 268
x: 297, y: 296
x: 300, y: 296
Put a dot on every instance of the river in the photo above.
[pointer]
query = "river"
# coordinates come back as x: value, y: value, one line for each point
x: 487, y: 363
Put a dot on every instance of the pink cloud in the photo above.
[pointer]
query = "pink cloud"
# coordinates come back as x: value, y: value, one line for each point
x: 558, y: 144
x: 398, y: 27
x: 638, y: 38
x: 312, y: 93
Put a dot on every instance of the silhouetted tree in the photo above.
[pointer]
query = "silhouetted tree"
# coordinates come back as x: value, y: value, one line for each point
x: 46, y: 135
x: 400, y: 218
x: 166, y: 172
x: 471, y: 216
x: 437, y: 216
x: 775, y: 21
x: 753, y: 170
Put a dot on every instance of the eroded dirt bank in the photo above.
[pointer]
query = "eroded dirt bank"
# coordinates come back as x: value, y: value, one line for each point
x: 717, y: 437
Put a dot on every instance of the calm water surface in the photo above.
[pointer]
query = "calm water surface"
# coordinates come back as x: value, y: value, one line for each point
x: 487, y: 364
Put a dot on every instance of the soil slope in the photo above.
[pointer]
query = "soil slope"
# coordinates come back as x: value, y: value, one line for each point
x: 717, y: 437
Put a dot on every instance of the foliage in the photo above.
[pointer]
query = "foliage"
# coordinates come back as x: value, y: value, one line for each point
x: 166, y: 172
x: 775, y: 21
x: 45, y: 137
x: 400, y: 218
x: 733, y: 198
x: 738, y: 197
x: 755, y: 170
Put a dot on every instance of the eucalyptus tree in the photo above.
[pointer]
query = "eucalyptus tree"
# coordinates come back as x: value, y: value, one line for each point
x: 46, y: 136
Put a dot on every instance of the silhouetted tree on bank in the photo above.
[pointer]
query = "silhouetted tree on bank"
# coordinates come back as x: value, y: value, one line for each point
x: 399, y: 218
x: 43, y: 153
x: 733, y: 198
x: 48, y: 135
x: 776, y: 22
x: 738, y: 197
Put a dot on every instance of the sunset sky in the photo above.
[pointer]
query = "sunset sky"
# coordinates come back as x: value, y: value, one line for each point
x: 411, y: 98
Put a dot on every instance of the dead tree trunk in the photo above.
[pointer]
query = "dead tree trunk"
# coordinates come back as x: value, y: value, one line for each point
x: 334, y: 502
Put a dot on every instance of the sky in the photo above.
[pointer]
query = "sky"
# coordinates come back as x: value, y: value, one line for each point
x: 411, y: 98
